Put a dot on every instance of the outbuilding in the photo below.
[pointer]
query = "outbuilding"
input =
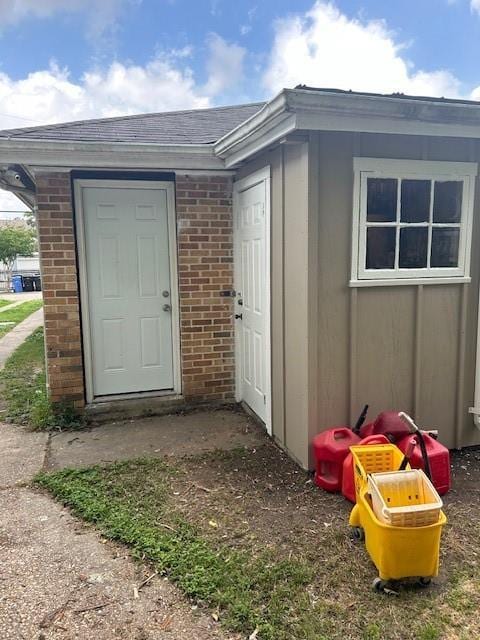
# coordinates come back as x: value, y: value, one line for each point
x: 303, y: 256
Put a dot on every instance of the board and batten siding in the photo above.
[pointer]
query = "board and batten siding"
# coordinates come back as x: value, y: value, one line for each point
x: 294, y: 288
x: 336, y: 347
x: 405, y: 347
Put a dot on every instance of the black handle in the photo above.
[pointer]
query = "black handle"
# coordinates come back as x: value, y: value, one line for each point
x: 238, y: 316
x: 361, y: 419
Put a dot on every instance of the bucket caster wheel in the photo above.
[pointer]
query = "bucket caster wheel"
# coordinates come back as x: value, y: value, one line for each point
x: 379, y: 585
x: 382, y: 586
x: 424, y: 582
x: 358, y: 534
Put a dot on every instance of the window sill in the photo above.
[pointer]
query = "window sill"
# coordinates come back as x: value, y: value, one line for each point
x: 395, y: 282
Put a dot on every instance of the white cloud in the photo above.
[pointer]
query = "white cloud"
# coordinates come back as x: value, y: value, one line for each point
x: 50, y: 95
x: 224, y: 65
x: 165, y: 83
x: 475, y: 6
x: 325, y: 48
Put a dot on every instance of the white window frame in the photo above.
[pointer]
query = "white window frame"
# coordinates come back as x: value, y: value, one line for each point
x: 365, y: 168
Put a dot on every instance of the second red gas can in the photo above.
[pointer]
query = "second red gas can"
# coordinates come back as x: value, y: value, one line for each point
x: 330, y: 449
x: 438, y: 458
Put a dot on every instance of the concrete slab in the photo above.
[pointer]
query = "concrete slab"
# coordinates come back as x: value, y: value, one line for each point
x: 181, y: 434
x: 22, y: 454
x: 59, y: 579
x: 18, y: 334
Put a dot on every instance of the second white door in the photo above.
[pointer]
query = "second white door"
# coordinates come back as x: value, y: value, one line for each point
x: 252, y: 293
x: 128, y: 273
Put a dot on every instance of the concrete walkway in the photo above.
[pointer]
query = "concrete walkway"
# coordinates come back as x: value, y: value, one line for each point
x: 59, y: 577
x: 14, y: 338
x: 156, y: 437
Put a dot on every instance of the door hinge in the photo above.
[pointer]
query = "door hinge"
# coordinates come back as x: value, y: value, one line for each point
x: 264, y: 399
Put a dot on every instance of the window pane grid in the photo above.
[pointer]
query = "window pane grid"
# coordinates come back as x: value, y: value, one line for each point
x: 414, y: 219
x: 408, y: 245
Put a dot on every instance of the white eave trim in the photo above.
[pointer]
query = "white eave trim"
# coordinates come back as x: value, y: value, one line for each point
x: 290, y: 110
x: 48, y: 153
x: 310, y: 110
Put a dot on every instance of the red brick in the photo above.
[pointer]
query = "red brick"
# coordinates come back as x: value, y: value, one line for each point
x: 205, y: 250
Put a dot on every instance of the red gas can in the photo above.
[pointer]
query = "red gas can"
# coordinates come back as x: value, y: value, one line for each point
x: 387, y: 422
x: 330, y: 449
x: 438, y: 457
x: 348, y: 480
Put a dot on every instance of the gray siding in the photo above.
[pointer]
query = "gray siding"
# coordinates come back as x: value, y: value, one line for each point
x: 293, y: 364
x: 335, y: 348
x: 395, y: 347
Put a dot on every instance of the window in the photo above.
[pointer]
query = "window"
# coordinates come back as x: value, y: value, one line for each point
x: 412, y: 220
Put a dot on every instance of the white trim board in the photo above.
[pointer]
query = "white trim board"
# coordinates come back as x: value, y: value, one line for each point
x: 307, y: 109
x: 432, y: 171
x: 262, y: 175
x: 169, y: 187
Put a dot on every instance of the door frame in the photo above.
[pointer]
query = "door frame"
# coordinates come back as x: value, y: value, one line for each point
x: 255, y: 178
x: 169, y: 186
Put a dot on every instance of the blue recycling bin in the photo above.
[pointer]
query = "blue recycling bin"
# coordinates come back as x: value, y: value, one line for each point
x: 17, y: 284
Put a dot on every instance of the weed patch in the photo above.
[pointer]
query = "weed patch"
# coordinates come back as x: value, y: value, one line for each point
x: 250, y: 592
x: 25, y: 392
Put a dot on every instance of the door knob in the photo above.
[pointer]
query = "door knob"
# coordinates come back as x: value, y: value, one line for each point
x: 167, y: 307
x: 238, y: 316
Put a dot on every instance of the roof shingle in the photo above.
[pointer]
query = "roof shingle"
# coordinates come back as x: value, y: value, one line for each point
x: 196, y: 126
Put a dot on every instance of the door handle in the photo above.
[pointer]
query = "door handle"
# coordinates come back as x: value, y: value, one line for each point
x: 238, y: 316
x: 167, y: 307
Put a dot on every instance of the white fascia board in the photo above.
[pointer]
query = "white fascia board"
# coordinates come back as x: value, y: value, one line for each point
x: 324, y: 111
x: 262, y: 139
x: 377, y: 114
x: 45, y: 153
x: 270, y: 111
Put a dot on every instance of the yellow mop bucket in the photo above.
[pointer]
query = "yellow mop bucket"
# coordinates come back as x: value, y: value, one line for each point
x: 374, y: 458
x: 398, y: 552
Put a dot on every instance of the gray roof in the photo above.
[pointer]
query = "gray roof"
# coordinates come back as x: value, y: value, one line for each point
x: 196, y: 126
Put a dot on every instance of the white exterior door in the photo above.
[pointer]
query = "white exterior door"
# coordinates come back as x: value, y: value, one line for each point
x: 252, y: 284
x: 127, y: 267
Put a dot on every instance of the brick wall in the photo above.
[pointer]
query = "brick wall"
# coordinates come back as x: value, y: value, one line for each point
x: 60, y: 292
x: 205, y: 265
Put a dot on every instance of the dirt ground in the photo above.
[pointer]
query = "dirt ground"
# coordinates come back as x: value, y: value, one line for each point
x: 54, y: 567
x: 259, y: 500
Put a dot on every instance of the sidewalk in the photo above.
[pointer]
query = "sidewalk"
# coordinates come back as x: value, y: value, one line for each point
x: 14, y: 338
x: 60, y: 578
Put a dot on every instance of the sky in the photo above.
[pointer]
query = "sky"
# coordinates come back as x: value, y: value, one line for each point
x: 64, y: 60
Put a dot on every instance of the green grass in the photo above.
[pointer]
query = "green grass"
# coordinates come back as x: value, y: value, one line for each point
x: 17, y: 314
x: 3, y: 303
x: 241, y: 548
x: 128, y: 501
x: 24, y: 389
